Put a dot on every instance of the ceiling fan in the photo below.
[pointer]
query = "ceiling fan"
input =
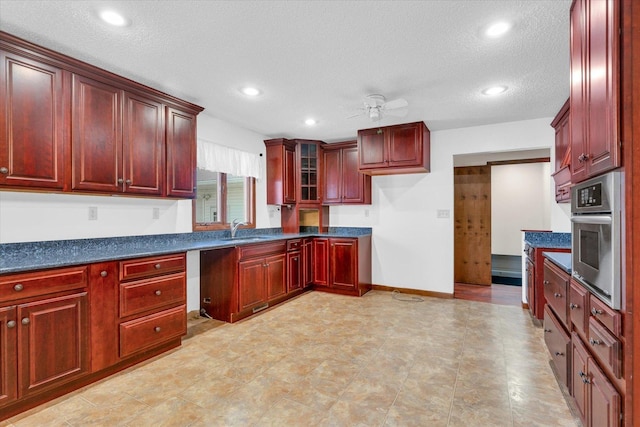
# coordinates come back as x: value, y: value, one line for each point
x: 376, y: 106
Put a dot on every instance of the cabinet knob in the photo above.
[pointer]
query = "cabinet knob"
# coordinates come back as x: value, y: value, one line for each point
x: 4, y: 170
x: 157, y: 266
x: 103, y: 273
x: 595, y: 311
x: 157, y: 329
x: 594, y: 342
x: 127, y: 181
x: 18, y: 287
x: 559, y: 353
x: 557, y: 295
x: 573, y: 306
x: 158, y: 292
x: 586, y: 380
x: 11, y: 324
x: 582, y: 374
x: 120, y: 180
x: 583, y: 157
x: 545, y: 282
x: 547, y: 330
x: 26, y: 321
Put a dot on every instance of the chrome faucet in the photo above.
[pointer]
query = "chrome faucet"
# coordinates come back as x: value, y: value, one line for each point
x: 234, y: 226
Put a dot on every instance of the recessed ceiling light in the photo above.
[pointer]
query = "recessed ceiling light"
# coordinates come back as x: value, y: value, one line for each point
x: 250, y: 91
x: 497, y: 29
x: 495, y: 90
x: 114, y: 18
x: 310, y: 122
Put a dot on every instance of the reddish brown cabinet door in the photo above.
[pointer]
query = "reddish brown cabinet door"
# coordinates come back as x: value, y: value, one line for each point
x: 307, y: 260
x: 53, y: 337
x: 8, y: 351
x: 181, y: 153
x: 333, y: 176
x: 143, y: 145
x: 281, y: 171
x: 96, y: 136
x: 594, y: 50
x: 321, y: 261
x: 531, y: 283
x: 604, y: 405
x: 294, y: 270
x: 290, y: 176
x: 252, y: 283
x: 372, y: 148
x: 276, y: 275
x: 32, y: 120
x: 579, y: 377
x: 356, y: 186
x: 405, y: 145
x: 343, y: 265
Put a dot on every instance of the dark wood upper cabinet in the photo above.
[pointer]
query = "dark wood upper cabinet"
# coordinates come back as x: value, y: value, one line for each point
x: 281, y: 171
x: 309, y: 171
x: 343, y: 182
x: 594, y: 97
x: 181, y: 153
x: 32, y: 119
x: 562, y: 173
x: 93, y: 131
x: 394, y: 149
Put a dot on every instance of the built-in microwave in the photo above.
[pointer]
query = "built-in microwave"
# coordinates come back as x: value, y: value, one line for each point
x: 596, y: 217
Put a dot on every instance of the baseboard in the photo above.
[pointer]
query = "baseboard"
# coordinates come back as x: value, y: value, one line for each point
x: 412, y: 291
x: 525, y: 306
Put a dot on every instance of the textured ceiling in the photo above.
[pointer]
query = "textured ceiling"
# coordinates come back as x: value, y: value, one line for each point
x: 320, y: 58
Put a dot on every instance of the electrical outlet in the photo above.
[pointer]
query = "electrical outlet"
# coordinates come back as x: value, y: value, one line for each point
x: 156, y: 213
x: 443, y: 213
x: 366, y: 212
x: 93, y: 213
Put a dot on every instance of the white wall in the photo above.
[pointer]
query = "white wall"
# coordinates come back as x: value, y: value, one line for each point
x: 412, y: 248
x: 520, y: 200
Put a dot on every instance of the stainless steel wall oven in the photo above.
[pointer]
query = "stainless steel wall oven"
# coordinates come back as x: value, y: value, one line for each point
x: 596, y: 216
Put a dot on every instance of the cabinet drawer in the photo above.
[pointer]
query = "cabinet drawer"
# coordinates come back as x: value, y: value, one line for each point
x: 578, y: 308
x: 250, y: 251
x: 149, y: 267
x: 150, y: 331
x: 145, y: 295
x: 606, y: 347
x: 294, y: 244
x: 27, y: 285
x: 608, y: 317
x: 559, y: 344
x: 555, y: 290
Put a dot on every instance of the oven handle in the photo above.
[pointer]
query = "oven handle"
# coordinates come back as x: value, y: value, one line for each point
x: 592, y: 219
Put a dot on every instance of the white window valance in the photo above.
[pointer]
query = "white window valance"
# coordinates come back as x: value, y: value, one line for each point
x: 218, y: 158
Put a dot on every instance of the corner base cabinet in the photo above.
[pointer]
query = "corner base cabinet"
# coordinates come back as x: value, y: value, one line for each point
x: 342, y: 265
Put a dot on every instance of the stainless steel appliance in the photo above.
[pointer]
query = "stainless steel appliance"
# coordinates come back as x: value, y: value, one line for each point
x: 596, y: 216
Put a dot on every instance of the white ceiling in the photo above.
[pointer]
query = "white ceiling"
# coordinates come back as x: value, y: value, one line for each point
x: 320, y: 58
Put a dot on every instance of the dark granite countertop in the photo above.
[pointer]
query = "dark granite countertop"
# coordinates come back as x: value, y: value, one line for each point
x: 561, y: 259
x: 543, y: 239
x: 18, y: 257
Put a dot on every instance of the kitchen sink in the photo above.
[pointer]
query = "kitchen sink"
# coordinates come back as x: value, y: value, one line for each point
x: 246, y: 239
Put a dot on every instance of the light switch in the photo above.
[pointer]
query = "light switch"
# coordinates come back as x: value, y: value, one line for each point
x: 93, y: 213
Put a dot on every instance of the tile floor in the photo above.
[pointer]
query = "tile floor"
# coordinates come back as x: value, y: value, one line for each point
x: 331, y: 360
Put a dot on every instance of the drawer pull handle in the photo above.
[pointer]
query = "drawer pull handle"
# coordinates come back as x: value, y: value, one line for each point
x: 557, y: 295
x: 157, y: 329
x: 594, y: 342
x: 595, y: 311
x: 157, y: 266
x: 11, y: 324
x: 103, y: 273
x: 26, y: 321
x: 158, y: 292
x: 18, y: 287
x: 559, y: 353
x: 573, y: 306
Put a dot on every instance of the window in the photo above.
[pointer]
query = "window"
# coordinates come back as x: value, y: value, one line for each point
x: 222, y: 198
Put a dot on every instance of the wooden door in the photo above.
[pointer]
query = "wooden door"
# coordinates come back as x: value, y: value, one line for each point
x: 577, y: 100
x: 276, y: 276
x: 579, y: 376
x: 321, y: 261
x: 531, y: 285
x: 307, y: 260
x: 294, y: 270
x: 372, y: 148
x: 8, y: 350
x: 181, y: 154
x: 251, y: 283
x: 343, y: 263
x: 143, y: 145
x: 289, y: 175
x: 333, y: 176
x: 604, y: 405
x: 356, y: 186
x: 405, y: 145
x: 472, y: 234
x: 96, y: 136
x: 32, y: 120
x: 53, y: 339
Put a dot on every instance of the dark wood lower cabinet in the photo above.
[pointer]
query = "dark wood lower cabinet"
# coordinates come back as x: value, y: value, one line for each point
x: 8, y: 356
x: 342, y: 265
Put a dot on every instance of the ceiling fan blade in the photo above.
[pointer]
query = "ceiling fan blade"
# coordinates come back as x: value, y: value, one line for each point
x: 397, y: 112
x: 396, y: 103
